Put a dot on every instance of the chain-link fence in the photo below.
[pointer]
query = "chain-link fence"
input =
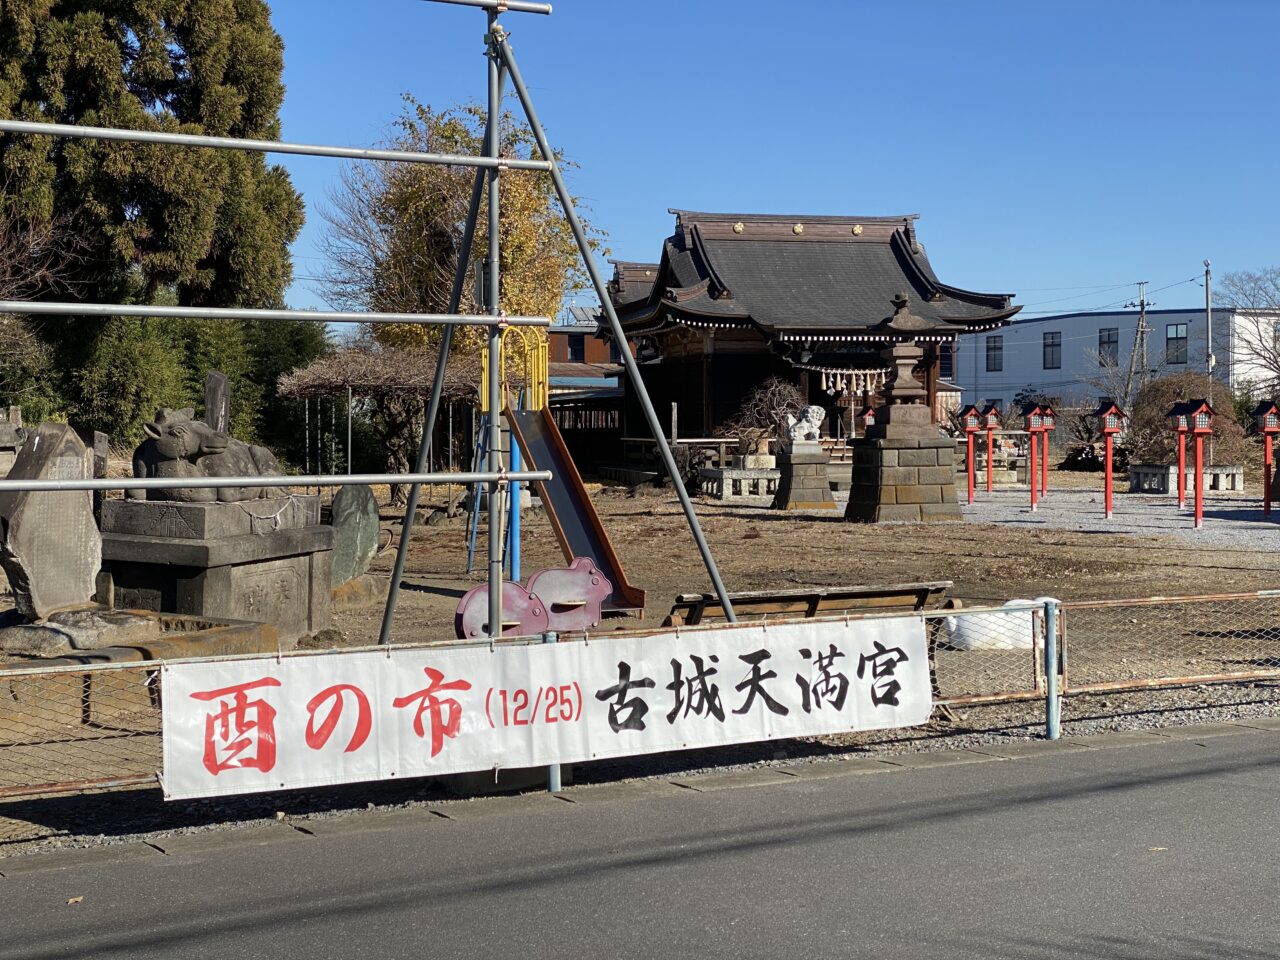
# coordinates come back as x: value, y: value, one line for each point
x: 1166, y: 641
x: 65, y: 729
x: 987, y: 655
x: 68, y: 728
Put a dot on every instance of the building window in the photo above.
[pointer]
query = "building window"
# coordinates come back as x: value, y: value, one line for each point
x: 1109, y: 346
x: 577, y: 348
x: 1175, y: 343
x: 615, y: 355
x: 995, y: 354
x: 1053, y: 351
x: 946, y: 360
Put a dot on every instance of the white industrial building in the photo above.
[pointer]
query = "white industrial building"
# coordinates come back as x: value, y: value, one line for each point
x: 1079, y: 358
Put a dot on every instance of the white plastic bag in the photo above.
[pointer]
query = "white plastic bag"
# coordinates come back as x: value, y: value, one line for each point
x: 994, y: 630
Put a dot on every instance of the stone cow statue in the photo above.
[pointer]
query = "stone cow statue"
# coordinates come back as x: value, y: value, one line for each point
x: 179, y: 446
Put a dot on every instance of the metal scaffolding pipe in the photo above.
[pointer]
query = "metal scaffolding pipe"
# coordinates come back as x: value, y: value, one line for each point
x: 496, y: 513
x: 615, y: 326
x: 219, y: 483
x: 34, y: 307
x: 76, y: 131
x: 502, y: 6
x: 433, y: 405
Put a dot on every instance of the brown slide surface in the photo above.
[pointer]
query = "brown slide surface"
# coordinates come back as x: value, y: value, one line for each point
x: 573, y: 516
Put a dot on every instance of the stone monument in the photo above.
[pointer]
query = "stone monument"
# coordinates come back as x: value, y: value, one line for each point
x: 217, y: 402
x: 804, y: 483
x: 903, y: 468
x: 237, y: 553
x: 11, y: 439
x: 49, y: 544
x: 354, y: 518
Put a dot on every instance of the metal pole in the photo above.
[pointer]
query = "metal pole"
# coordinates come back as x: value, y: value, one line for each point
x: 1033, y: 443
x: 615, y: 329
x: 1053, y: 693
x: 553, y: 771
x: 514, y: 532
x: 1182, y: 470
x: 1106, y: 482
x: 1209, y: 360
x: 495, y: 333
x: 76, y: 131
x: 1266, y: 476
x: 433, y: 405
x: 502, y: 6
x: 1199, y: 522
x: 220, y: 483
x: 1044, y: 466
x: 51, y: 308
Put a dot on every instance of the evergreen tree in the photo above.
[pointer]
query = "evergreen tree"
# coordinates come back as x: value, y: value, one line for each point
x: 156, y: 224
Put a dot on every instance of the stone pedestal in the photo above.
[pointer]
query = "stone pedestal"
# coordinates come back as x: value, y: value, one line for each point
x: 803, y: 484
x: 1162, y: 479
x: 737, y: 483
x: 266, y: 561
x: 903, y: 479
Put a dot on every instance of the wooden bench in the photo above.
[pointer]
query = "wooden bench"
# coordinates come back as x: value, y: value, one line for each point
x: 695, y: 608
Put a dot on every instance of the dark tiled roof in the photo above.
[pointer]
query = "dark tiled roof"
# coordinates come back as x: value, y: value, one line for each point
x: 595, y: 371
x: 796, y: 273
x: 631, y: 280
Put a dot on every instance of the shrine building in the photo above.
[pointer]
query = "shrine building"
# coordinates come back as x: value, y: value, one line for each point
x: 738, y: 298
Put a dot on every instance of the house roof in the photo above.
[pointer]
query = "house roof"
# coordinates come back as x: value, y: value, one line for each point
x: 789, y: 275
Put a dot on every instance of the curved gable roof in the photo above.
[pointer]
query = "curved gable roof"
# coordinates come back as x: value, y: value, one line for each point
x: 803, y: 273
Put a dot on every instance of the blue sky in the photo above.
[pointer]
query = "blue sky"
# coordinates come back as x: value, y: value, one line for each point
x: 1058, y: 151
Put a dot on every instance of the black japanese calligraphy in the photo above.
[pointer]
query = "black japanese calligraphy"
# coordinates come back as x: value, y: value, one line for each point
x: 754, y: 683
x: 625, y: 714
x: 695, y: 694
x: 882, y: 663
x: 831, y: 686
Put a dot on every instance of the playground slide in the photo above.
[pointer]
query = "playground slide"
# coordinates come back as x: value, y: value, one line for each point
x: 573, y: 517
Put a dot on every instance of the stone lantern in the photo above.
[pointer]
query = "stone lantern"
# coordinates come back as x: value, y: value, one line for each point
x: 903, y: 467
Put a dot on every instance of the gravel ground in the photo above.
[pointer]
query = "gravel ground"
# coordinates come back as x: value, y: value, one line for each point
x: 33, y: 826
x: 1228, y: 518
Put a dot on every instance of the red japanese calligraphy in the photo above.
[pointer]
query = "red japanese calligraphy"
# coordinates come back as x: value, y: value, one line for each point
x: 446, y: 713
x: 239, y: 725
x: 318, y: 736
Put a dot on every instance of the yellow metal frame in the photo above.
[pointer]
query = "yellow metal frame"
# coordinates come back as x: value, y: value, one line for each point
x: 537, y: 378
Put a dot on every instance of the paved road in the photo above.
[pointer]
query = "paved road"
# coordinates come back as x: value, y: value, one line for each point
x: 1131, y: 846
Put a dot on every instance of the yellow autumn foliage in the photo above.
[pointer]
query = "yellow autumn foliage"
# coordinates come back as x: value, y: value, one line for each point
x: 394, y: 232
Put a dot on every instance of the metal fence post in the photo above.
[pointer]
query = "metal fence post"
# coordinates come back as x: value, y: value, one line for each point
x: 1053, y: 695
x: 553, y: 771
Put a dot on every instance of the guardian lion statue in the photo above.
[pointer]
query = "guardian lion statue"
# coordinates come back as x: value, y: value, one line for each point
x: 809, y: 425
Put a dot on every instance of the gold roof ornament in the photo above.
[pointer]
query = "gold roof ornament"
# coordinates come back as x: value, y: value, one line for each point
x: 738, y: 227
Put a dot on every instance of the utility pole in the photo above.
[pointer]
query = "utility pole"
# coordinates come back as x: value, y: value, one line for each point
x: 1209, y: 360
x: 1139, y: 345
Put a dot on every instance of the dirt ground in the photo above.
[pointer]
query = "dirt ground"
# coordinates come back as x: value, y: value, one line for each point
x: 758, y: 548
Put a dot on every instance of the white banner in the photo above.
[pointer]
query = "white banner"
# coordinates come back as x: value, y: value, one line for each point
x: 243, y: 726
